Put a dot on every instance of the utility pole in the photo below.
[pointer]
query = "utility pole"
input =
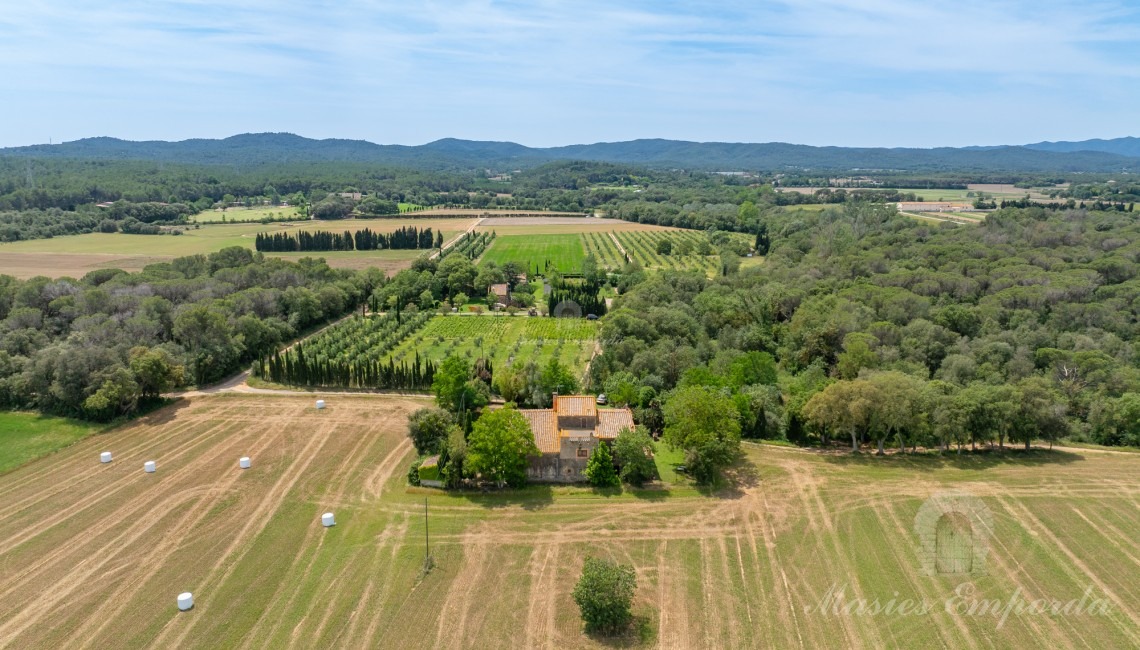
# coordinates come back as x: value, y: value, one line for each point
x: 427, y: 545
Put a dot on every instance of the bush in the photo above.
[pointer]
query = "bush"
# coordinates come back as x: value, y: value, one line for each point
x: 414, y: 472
x: 604, y: 594
x: 600, y: 467
x: 428, y: 428
x: 633, y: 451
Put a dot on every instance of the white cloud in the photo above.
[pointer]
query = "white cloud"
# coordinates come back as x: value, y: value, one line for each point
x: 560, y: 72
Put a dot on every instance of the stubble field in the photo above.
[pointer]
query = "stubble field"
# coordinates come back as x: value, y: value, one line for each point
x: 94, y: 555
x: 76, y: 255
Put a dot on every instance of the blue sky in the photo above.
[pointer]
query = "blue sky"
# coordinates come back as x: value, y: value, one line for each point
x: 823, y: 72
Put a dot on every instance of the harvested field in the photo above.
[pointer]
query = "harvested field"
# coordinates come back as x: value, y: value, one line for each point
x: 550, y: 226
x: 94, y: 555
x: 72, y: 265
x: 544, y: 221
x: 76, y: 255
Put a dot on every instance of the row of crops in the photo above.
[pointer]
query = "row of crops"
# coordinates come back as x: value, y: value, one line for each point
x: 471, y: 245
x: 402, y: 351
x: 642, y: 248
x: 352, y: 354
x: 601, y: 245
x: 502, y: 340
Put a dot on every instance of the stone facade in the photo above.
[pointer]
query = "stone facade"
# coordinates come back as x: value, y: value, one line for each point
x: 567, y: 434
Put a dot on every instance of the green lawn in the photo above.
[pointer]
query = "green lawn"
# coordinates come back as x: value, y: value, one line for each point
x: 27, y: 436
x: 565, y: 252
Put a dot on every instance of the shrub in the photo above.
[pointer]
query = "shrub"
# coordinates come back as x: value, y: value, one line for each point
x: 604, y: 594
x: 600, y: 467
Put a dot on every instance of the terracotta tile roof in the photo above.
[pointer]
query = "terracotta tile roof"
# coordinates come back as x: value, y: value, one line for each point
x: 576, y: 405
x: 542, y: 424
x: 612, y: 421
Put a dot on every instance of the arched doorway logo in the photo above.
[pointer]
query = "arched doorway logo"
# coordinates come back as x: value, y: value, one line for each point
x: 953, y: 530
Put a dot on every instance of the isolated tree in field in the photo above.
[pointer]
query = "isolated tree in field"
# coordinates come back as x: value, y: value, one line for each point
x: 498, y: 447
x: 633, y: 451
x: 600, y: 470
x: 704, y: 423
x: 604, y: 595
x: 428, y: 428
x: 664, y: 246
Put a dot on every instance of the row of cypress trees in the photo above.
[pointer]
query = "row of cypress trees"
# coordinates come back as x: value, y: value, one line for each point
x: 406, y: 238
x: 294, y: 368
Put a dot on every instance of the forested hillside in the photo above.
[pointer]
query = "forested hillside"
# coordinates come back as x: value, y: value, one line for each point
x: 279, y: 148
x: 866, y: 326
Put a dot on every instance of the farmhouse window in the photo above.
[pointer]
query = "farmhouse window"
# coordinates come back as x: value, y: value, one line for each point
x: 583, y: 453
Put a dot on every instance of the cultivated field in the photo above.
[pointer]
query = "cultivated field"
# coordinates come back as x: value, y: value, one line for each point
x: 535, y: 254
x: 503, y: 339
x: 77, y: 255
x: 94, y: 555
x: 563, y: 225
x: 238, y: 215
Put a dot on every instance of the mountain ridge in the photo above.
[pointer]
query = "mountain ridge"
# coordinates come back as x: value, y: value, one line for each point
x: 274, y: 148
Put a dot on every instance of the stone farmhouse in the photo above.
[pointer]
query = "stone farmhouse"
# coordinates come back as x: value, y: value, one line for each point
x: 567, y: 433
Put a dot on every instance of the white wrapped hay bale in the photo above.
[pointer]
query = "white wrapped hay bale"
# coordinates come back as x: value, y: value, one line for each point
x: 185, y: 601
x: 320, y: 404
x: 327, y: 519
x: 243, y: 462
x: 105, y: 457
x: 148, y: 467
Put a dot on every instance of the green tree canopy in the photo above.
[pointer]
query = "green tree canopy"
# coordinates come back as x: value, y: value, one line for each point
x: 600, y: 470
x: 604, y: 594
x: 498, y: 447
x: 705, y: 424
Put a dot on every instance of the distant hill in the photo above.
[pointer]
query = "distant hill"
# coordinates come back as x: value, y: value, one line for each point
x: 1121, y: 146
x: 253, y: 149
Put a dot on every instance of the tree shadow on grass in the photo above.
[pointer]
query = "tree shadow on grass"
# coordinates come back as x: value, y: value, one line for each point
x: 734, y: 481
x: 639, y: 634
x: 531, y: 497
x: 649, y: 493
x: 157, y: 412
x: 967, y: 460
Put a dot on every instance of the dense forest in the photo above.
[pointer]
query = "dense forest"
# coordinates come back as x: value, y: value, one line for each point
x: 867, y: 326
x: 99, y: 346
x: 54, y: 197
